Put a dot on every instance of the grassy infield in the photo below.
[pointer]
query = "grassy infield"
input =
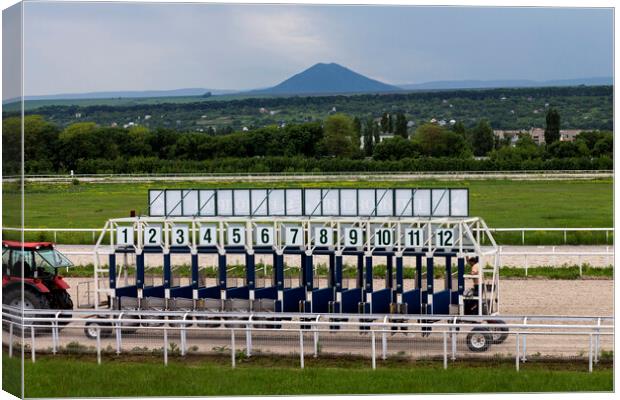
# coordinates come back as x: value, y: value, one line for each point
x: 501, y: 203
x: 211, y: 376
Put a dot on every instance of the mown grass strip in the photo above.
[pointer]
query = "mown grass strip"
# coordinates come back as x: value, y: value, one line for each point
x: 204, y: 376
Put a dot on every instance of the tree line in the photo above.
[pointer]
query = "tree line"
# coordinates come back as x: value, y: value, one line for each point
x: 339, y: 143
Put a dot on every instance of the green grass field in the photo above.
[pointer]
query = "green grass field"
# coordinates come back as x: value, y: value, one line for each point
x: 502, y: 203
x: 212, y: 376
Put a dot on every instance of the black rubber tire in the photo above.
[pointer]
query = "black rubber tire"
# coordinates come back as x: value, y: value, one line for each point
x: 499, y: 334
x: 479, y: 340
x: 32, y: 298
x: 104, y: 332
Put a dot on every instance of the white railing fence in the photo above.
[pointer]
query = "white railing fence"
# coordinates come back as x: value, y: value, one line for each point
x: 94, y: 232
x: 248, y: 334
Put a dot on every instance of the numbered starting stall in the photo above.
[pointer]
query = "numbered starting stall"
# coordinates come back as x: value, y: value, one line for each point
x: 404, y: 243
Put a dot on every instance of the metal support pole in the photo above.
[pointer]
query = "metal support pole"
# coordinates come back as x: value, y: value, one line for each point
x: 248, y: 338
x: 98, y: 345
x: 590, y: 355
x: 597, y: 342
x: 518, y: 351
x: 316, y: 338
x: 301, y: 349
x: 54, y: 333
x: 183, y: 336
x: 374, y: 353
x: 384, y: 340
x: 118, y: 334
x: 454, y: 344
x: 232, y: 348
x: 523, y: 358
x: 564, y: 236
x: 445, y: 350
x: 33, y: 344
x: 11, y: 339
x: 165, y: 346
x: 523, y: 237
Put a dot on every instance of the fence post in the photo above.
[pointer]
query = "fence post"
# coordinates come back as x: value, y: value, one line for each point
x: 183, y: 336
x: 55, y: 238
x: 32, y: 352
x: 11, y: 340
x: 301, y: 348
x: 98, y: 345
x: 597, y: 341
x: 316, y: 338
x: 590, y: 355
x: 373, y: 350
x: 523, y: 236
x: 232, y: 347
x: 564, y: 236
x: 165, y: 346
x: 248, y: 338
x: 384, y: 340
x: 518, y: 351
x: 525, y: 264
x: 445, y: 349
x: 454, y: 335
x: 523, y: 358
x: 118, y: 334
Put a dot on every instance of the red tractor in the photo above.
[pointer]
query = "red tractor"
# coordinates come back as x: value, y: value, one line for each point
x: 43, y: 287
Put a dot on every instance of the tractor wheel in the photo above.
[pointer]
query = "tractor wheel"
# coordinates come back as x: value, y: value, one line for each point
x: 93, y: 326
x: 62, y: 301
x: 500, y: 334
x: 479, y: 340
x: 30, y: 301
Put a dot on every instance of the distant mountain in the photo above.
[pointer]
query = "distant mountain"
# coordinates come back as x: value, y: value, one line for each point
x: 514, y: 83
x: 327, y: 79
x: 127, y: 94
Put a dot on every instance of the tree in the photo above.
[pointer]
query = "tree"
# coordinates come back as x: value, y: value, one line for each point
x: 357, y: 126
x: 395, y: 148
x: 400, y: 128
x: 368, y: 137
x: 552, y: 128
x: 339, y: 139
x: 385, y: 122
x: 435, y: 141
x: 482, y: 138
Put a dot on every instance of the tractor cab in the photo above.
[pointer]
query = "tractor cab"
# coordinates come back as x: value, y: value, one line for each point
x: 40, y: 259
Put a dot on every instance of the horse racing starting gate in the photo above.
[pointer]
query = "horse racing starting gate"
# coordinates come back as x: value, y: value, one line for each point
x: 417, y: 238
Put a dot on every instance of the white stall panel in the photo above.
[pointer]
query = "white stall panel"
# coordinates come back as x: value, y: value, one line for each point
x: 348, y: 202
x: 207, y: 203
x: 313, y: 202
x: 421, y: 203
x: 242, y: 202
x: 190, y: 202
x: 385, y: 205
x: 441, y: 202
x: 173, y: 203
x: 259, y: 202
x: 404, y: 203
x: 293, y: 202
x: 459, y: 202
x: 366, y: 202
x: 157, y: 205
x: 330, y: 202
x: 224, y: 202
x: 277, y: 206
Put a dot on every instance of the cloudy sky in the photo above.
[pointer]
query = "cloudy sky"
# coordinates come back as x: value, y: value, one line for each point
x: 105, y: 46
